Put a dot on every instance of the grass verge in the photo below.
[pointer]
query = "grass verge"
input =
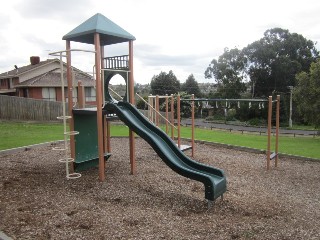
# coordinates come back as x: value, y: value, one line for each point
x: 18, y: 134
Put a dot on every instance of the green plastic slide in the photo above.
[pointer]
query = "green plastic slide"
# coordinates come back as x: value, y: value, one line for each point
x: 213, y: 179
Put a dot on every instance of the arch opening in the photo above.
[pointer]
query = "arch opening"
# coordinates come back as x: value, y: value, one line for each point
x: 115, y: 86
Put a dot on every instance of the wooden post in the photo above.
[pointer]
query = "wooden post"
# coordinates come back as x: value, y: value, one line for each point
x: 192, y: 128
x: 277, y: 130
x: 172, y: 117
x: 269, y: 131
x: 149, y: 108
x: 178, y: 119
x: 70, y: 102
x: 81, y: 95
x: 167, y: 114
x: 107, y: 134
x: 99, y: 107
x: 131, y: 100
x: 157, y: 110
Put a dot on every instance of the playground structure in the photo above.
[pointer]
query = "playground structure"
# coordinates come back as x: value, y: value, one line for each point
x: 90, y: 127
x: 154, y: 116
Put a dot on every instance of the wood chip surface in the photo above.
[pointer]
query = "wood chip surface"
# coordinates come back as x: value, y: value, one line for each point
x: 38, y: 202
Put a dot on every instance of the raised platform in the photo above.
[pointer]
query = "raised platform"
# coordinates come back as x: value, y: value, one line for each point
x: 185, y: 147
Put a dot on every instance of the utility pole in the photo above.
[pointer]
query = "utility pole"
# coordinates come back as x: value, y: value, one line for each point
x: 290, y: 114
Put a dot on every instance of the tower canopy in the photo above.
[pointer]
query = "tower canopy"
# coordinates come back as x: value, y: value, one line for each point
x: 110, y: 33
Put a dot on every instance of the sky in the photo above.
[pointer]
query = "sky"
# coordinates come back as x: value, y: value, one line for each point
x: 179, y: 35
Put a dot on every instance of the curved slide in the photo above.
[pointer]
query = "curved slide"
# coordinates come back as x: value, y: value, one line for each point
x: 213, y: 179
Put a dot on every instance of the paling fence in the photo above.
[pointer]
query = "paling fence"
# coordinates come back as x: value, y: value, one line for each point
x: 27, y: 109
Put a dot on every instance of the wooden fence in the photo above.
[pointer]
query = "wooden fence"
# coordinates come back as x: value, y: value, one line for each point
x: 27, y: 109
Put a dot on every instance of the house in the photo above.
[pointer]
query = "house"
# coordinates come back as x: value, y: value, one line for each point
x: 42, y: 80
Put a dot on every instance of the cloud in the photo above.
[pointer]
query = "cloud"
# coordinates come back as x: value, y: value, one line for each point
x: 73, y: 10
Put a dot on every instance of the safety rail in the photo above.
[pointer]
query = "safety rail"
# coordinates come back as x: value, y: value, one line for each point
x: 118, y: 95
x: 156, y: 111
x: 117, y: 62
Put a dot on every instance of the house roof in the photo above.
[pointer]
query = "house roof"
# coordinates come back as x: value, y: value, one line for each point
x: 25, y: 69
x: 53, y: 79
x: 110, y: 33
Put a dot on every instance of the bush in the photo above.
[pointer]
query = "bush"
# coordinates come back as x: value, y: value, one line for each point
x: 257, y: 122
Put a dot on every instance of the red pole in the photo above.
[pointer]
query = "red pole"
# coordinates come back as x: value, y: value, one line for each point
x: 131, y: 99
x: 172, y: 117
x: 192, y: 128
x: 107, y: 134
x: 277, y: 130
x: 269, y: 132
x: 99, y: 106
x: 81, y: 95
x: 70, y: 102
x: 149, y: 108
x: 178, y: 119
x: 157, y: 110
x: 167, y: 114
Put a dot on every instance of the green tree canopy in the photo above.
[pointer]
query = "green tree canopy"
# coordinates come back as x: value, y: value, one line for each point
x: 191, y: 86
x: 307, y: 94
x: 274, y: 60
x: 164, y: 83
x: 229, y: 72
x: 270, y: 64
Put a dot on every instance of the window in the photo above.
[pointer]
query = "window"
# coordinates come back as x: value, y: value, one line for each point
x: 49, y: 94
x: 90, y: 94
x: 4, y: 83
x: 74, y: 94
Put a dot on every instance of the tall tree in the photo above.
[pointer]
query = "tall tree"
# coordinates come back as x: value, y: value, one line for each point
x: 164, y: 83
x: 270, y: 64
x: 191, y: 86
x: 275, y: 59
x: 229, y: 72
x: 306, y: 94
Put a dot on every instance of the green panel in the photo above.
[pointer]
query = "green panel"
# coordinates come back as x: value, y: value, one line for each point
x: 90, y: 164
x: 86, y: 142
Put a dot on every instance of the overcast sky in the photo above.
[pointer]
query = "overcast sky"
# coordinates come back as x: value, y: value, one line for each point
x: 178, y: 35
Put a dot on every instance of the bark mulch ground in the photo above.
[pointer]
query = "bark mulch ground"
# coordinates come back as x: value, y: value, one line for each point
x: 37, y: 202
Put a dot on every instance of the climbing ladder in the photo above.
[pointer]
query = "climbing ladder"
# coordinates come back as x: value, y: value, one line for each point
x: 67, y: 160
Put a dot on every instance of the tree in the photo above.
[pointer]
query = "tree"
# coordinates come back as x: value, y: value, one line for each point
x: 191, y: 86
x: 274, y: 60
x: 229, y: 72
x: 165, y: 83
x: 270, y: 64
x: 306, y: 94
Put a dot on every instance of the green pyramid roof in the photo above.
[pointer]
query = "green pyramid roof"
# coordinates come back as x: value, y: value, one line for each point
x: 110, y: 33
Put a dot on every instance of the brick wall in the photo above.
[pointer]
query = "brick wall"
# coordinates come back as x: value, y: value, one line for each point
x: 35, y: 93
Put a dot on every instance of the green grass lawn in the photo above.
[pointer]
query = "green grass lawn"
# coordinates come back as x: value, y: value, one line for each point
x: 301, y: 146
x: 17, y: 134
